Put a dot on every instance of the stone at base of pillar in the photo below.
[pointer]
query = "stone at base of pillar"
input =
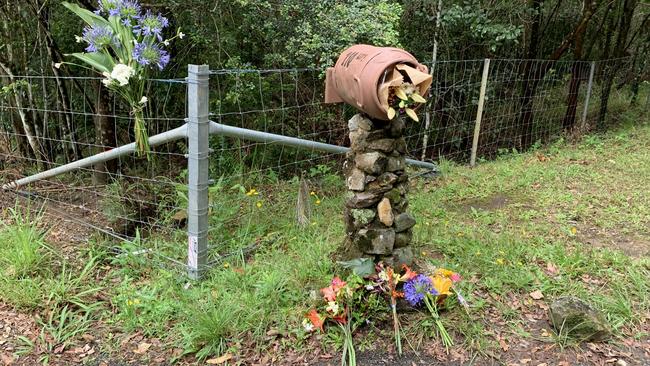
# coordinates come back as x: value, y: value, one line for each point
x: 377, y: 224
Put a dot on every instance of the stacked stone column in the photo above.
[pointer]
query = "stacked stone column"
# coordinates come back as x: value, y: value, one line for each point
x: 377, y: 222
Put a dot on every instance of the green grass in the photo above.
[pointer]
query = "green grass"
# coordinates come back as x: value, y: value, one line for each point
x: 559, y: 219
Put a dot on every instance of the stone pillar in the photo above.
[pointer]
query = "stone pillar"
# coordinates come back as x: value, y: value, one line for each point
x: 377, y: 224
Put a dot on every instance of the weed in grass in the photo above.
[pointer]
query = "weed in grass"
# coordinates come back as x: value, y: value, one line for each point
x: 210, y: 328
x: 61, y: 327
x: 22, y: 293
x: 23, y: 245
x: 150, y: 307
x: 71, y: 288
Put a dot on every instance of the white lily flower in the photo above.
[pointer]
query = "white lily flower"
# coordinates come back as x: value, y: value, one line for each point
x: 181, y: 35
x: 78, y: 39
x: 166, y: 42
x: 144, y: 100
x: 309, y: 327
x: 58, y: 65
x: 332, y: 307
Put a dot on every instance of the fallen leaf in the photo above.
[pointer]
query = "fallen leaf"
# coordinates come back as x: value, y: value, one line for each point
x: 551, y: 268
x: 219, y: 360
x: 88, y: 337
x: 58, y: 350
x: 536, y: 295
x: 504, y: 345
x: 6, y: 359
x: 142, y: 348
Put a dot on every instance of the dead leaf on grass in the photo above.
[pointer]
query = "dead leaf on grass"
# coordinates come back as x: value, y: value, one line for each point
x: 6, y: 359
x: 142, y: 348
x: 504, y: 345
x: 58, y: 350
x: 551, y: 268
x: 219, y: 360
x: 536, y: 295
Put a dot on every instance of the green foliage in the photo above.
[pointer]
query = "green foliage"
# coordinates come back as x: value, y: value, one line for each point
x: 327, y: 28
x: 476, y: 25
x: 22, y: 245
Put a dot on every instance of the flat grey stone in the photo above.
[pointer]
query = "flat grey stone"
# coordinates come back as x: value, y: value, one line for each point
x: 356, y: 180
x: 576, y: 318
x: 403, y: 239
x: 371, y: 163
x: 403, y: 222
x: 383, y: 145
x: 363, y: 199
x: 396, y: 164
x: 362, y: 217
x: 376, y: 241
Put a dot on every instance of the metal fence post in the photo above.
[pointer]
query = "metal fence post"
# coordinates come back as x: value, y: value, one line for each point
x: 588, y: 96
x: 198, y: 132
x: 479, y: 111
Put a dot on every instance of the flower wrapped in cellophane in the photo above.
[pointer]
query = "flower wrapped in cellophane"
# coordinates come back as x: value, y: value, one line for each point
x: 125, y: 44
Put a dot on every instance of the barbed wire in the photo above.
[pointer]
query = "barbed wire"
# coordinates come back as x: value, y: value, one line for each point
x: 526, y: 103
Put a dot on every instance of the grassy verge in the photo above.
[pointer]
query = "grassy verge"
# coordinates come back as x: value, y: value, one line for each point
x: 568, y: 219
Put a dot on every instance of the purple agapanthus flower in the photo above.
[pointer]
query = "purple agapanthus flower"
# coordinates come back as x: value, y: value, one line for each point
x: 151, y: 54
x: 98, y: 37
x: 151, y: 24
x: 417, y: 288
x: 110, y: 7
x: 129, y: 10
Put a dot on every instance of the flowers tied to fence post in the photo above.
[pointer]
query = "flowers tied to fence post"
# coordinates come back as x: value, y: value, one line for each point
x: 124, y: 44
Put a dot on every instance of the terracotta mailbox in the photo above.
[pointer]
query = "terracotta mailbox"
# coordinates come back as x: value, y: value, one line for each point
x: 363, y: 74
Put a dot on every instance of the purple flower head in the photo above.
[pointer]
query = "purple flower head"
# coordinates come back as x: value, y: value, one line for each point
x: 147, y: 55
x: 416, y: 289
x: 151, y: 25
x: 129, y: 10
x: 110, y: 7
x: 98, y: 37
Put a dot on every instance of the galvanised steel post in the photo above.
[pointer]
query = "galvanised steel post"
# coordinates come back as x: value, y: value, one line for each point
x: 588, y: 96
x: 198, y: 132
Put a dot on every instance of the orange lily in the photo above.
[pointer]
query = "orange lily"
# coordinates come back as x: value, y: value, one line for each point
x: 315, y: 319
x: 410, y: 274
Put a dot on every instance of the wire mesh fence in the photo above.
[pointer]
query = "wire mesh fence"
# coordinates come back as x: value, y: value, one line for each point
x: 48, y: 121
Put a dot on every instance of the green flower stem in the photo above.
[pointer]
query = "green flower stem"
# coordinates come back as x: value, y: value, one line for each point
x: 396, y: 326
x: 348, y: 345
x: 140, y: 130
x: 447, y: 341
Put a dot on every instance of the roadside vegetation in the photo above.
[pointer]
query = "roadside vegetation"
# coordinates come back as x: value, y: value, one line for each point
x: 571, y: 218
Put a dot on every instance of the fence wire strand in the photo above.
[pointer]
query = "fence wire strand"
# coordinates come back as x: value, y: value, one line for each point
x: 48, y: 121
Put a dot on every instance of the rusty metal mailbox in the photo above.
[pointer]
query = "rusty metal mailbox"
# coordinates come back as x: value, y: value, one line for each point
x: 363, y: 71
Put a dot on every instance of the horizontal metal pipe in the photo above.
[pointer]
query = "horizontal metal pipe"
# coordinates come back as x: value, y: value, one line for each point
x: 159, y: 139
x: 231, y: 131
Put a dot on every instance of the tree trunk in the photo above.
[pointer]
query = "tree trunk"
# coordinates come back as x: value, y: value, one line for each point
x: 534, y: 74
x: 619, y: 51
x: 434, y: 58
x: 529, y: 83
x: 104, y: 136
x: 577, y: 71
x: 28, y: 128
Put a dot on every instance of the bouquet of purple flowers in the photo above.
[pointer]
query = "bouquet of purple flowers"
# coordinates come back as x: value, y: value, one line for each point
x: 123, y: 44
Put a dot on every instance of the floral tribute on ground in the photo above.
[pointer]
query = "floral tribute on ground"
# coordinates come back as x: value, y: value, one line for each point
x: 124, y: 44
x: 353, y: 303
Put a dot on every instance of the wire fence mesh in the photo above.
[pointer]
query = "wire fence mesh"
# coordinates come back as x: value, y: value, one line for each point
x: 47, y: 121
